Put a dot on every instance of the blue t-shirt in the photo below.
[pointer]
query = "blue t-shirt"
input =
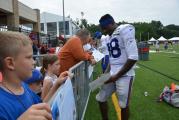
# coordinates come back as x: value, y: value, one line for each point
x: 10, y: 105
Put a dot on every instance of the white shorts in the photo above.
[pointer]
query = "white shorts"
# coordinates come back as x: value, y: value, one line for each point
x: 122, y: 87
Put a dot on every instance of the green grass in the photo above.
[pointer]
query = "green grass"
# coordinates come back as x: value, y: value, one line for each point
x: 174, y: 47
x: 145, y: 107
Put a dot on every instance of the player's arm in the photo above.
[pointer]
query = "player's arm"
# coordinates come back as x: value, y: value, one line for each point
x: 127, y: 66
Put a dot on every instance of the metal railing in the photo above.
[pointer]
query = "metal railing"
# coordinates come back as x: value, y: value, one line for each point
x: 82, y: 76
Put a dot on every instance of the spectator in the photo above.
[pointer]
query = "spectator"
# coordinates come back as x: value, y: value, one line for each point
x: 43, y: 49
x: 57, y: 50
x: 97, y: 37
x: 16, y: 64
x: 35, y: 82
x: 157, y: 46
x: 93, y: 43
x: 104, y: 50
x: 50, y: 71
x: 73, y: 52
x: 165, y: 45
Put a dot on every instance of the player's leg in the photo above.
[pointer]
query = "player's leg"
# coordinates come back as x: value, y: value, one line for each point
x: 103, y: 106
x: 105, y: 92
x: 123, y: 90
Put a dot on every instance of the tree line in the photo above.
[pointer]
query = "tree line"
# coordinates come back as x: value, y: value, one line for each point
x: 144, y: 30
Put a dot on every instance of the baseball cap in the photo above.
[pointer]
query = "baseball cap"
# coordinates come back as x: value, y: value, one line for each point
x: 36, y: 76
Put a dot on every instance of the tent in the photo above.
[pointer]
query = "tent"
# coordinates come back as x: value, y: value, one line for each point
x: 174, y: 39
x: 162, y: 39
x: 152, y: 40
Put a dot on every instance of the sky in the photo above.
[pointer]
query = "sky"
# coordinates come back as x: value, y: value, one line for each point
x: 166, y: 11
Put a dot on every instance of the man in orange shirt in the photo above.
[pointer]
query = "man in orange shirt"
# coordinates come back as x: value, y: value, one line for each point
x: 72, y: 52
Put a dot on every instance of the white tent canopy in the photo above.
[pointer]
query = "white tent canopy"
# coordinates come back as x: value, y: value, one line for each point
x: 174, y: 39
x: 152, y: 40
x: 162, y: 39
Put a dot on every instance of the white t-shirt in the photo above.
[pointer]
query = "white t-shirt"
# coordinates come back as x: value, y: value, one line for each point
x: 53, y: 78
x: 122, y: 46
x: 57, y: 50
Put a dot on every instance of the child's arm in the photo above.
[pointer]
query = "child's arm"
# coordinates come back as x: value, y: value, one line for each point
x: 60, y: 80
x: 47, y: 85
x: 39, y: 111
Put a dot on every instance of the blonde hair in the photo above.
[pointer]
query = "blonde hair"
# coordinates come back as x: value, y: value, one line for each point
x: 48, y: 59
x: 11, y: 44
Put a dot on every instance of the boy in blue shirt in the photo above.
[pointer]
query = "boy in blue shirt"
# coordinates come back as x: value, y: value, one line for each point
x: 35, y: 82
x: 18, y: 102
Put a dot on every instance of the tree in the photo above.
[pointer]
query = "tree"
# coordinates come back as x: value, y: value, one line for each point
x: 84, y: 23
x: 93, y: 28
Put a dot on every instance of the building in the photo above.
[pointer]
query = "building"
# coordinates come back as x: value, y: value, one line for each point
x: 53, y: 24
x: 14, y: 14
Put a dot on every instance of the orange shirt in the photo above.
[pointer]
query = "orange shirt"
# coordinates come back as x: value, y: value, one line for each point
x: 72, y: 53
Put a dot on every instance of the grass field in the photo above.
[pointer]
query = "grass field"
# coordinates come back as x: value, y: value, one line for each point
x: 171, y: 48
x: 146, y: 107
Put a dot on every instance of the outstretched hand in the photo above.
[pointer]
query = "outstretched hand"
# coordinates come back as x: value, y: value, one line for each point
x: 63, y: 77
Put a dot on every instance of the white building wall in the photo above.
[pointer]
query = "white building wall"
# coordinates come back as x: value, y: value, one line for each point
x: 49, y: 17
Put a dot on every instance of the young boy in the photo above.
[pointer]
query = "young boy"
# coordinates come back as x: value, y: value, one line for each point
x: 18, y: 102
x: 35, y: 82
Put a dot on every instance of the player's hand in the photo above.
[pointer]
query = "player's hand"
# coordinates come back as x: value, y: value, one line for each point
x: 39, y: 111
x: 93, y: 61
x: 111, y: 79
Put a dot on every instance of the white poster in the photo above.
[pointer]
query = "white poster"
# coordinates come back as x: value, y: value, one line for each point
x: 97, y: 55
x: 99, y: 81
x: 63, y: 103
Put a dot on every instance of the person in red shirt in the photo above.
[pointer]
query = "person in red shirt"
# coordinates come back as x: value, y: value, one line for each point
x: 72, y: 52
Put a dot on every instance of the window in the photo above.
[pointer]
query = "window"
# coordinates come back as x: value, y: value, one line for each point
x: 52, y: 28
x: 42, y: 26
x: 66, y: 27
